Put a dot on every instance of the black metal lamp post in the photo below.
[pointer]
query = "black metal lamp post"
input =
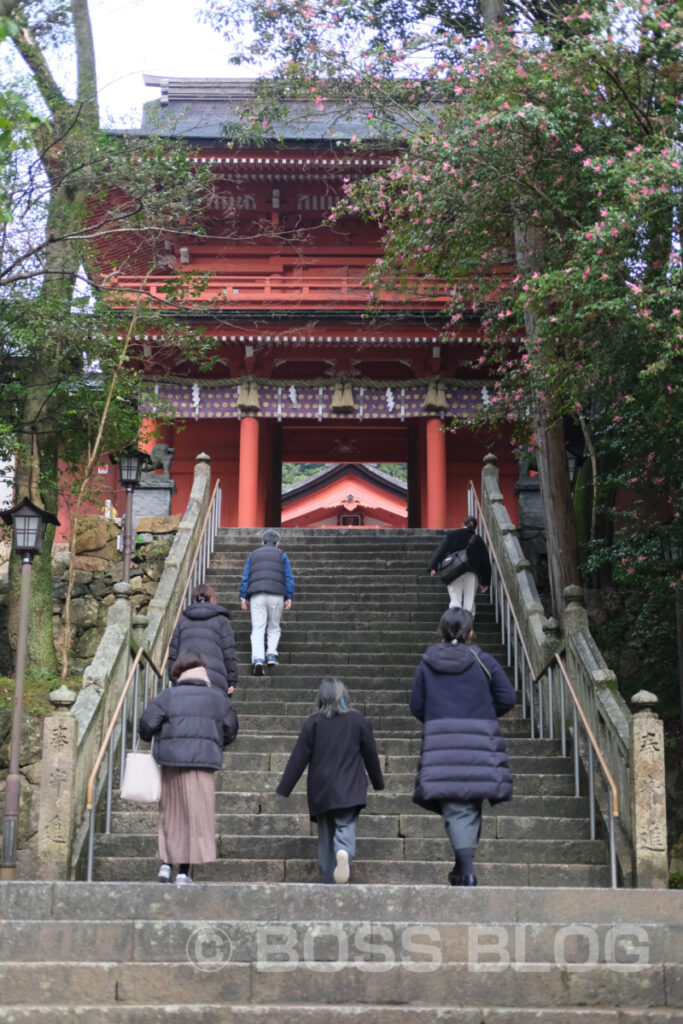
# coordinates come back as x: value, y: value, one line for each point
x: 131, y: 462
x: 28, y: 523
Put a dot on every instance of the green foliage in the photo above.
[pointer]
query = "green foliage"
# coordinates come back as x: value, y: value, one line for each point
x: 395, y: 469
x: 318, y: 35
x: 537, y: 174
x: 36, y: 690
x: 88, y: 209
x: 638, y: 639
x: 294, y: 472
x: 676, y: 880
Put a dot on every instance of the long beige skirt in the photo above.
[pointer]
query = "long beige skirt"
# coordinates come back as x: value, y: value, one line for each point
x: 187, y: 826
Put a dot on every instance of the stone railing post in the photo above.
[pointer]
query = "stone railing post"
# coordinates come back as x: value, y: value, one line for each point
x: 202, y: 478
x: 648, y: 794
x: 57, y: 787
x: 490, y: 477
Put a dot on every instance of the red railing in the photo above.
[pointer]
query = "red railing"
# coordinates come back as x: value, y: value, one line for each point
x: 292, y: 291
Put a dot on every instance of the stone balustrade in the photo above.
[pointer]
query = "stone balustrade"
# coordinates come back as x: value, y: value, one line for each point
x: 633, y: 749
x: 104, y: 679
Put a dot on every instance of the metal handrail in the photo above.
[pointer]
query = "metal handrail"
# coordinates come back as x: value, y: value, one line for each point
x: 134, y: 698
x: 511, y: 634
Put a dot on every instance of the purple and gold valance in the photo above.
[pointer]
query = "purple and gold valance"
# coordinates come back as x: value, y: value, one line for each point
x: 319, y: 402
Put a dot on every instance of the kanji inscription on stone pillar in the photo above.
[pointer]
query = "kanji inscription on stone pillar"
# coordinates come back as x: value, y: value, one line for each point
x: 648, y: 794
x: 57, y: 785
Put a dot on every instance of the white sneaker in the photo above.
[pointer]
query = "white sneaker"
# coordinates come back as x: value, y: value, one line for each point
x: 182, y: 879
x: 164, y: 873
x: 341, y: 872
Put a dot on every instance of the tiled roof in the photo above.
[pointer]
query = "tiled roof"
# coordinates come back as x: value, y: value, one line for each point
x: 203, y: 108
x: 335, y: 470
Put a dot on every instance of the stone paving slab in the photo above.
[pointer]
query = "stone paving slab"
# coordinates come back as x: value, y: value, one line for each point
x: 21, y: 900
x: 314, y: 1014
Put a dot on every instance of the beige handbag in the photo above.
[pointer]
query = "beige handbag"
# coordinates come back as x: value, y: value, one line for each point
x: 141, y: 778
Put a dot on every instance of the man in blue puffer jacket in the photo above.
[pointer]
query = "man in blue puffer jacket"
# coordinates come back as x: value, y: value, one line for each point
x: 267, y: 588
x: 459, y: 692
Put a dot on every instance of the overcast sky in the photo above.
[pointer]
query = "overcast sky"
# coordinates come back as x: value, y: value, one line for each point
x: 158, y: 37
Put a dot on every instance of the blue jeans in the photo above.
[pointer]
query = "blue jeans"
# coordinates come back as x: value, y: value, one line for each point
x: 336, y: 831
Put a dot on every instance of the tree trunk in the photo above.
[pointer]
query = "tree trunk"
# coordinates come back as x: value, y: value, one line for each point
x: 36, y: 472
x: 559, y: 512
x: 679, y: 638
x: 492, y: 11
x: 558, y: 505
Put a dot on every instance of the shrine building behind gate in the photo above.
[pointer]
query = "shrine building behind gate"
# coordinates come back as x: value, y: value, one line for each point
x: 304, y: 373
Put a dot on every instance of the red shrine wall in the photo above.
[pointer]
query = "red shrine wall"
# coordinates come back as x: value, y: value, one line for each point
x: 220, y: 439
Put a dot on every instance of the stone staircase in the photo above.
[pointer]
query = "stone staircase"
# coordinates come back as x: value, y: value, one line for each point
x: 541, y: 939
x: 240, y: 953
x: 364, y: 610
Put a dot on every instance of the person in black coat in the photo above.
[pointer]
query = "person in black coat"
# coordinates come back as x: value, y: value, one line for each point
x: 338, y: 747
x: 191, y: 723
x: 459, y: 692
x: 463, y: 591
x: 205, y: 626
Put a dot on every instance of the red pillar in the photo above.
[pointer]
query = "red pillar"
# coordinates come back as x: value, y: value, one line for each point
x: 436, y: 475
x: 248, y: 486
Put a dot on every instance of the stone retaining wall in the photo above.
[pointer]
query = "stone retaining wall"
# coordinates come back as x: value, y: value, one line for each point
x: 98, y: 566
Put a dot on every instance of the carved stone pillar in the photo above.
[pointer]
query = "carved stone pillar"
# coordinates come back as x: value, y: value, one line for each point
x: 57, y: 787
x: 648, y: 794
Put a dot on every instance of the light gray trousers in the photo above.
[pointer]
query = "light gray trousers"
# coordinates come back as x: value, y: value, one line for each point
x: 266, y: 612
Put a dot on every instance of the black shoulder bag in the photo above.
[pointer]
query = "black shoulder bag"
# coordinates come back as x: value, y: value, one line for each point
x: 454, y: 565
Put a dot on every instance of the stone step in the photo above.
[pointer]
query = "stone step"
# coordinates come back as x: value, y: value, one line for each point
x: 365, y: 872
x: 69, y: 901
x: 399, y: 724
x: 328, y: 538
x: 297, y: 692
x: 360, y: 659
x: 384, y: 649
x: 366, y: 566
x: 271, y: 742
x: 220, y: 1013
x: 322, y: 583
x: 147, y: 940
x: 378, y: 825
x: 392, y: 764
x: 550, y: 785
x: 258, y: 802
x: 396, y: 849
x: 392, y: 953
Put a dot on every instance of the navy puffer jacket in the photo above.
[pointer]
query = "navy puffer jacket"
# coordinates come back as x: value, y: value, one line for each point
x: 266, y: 572
x: 463, y: 753
x: 205, y: 628
x: 192, y: 723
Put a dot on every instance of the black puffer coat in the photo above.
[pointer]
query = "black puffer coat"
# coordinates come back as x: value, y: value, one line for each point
x: 205, y: 627
x: 463, y: 753
x: 192, y: 721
